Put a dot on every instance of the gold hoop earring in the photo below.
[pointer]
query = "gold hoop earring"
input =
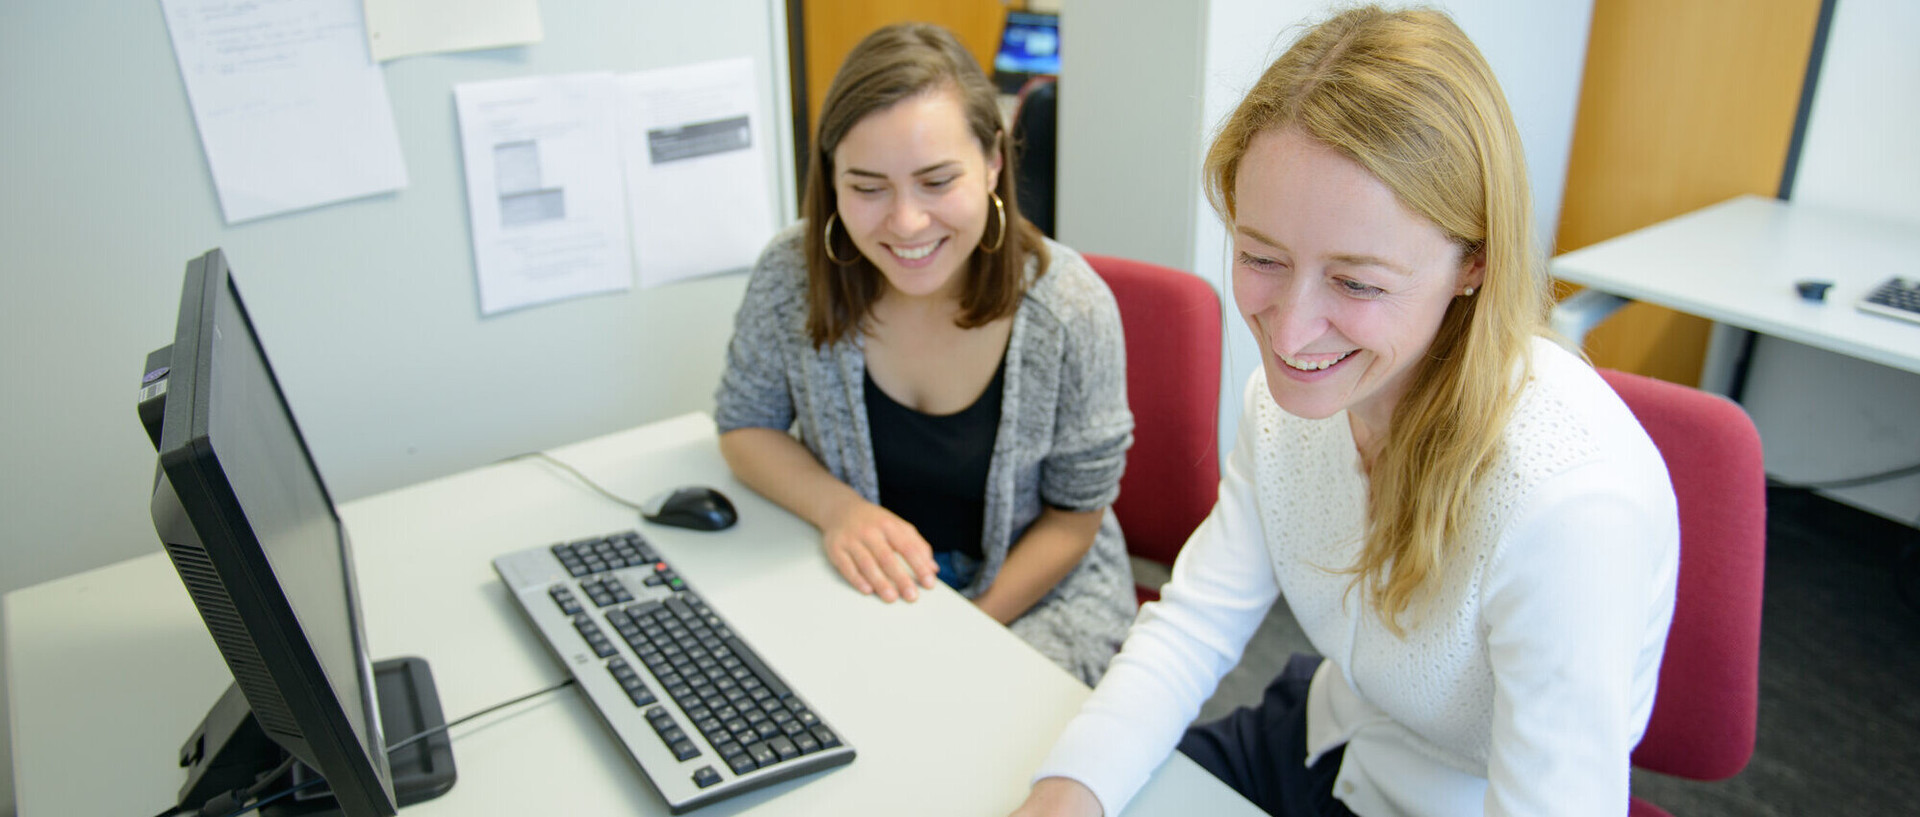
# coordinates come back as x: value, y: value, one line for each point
x: 999, y: 208
x: 827, y: 237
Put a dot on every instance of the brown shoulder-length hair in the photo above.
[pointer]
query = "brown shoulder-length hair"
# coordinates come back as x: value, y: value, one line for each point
x: 1408, y: 96
x: 892, y: 64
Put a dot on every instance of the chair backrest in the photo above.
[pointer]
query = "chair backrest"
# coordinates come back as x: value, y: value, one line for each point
x: 1705, y: 711
x: 1172, y: 320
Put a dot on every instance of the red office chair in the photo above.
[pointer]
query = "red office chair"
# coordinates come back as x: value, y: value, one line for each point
x: 1704, y: 713
x: 1172, y: 321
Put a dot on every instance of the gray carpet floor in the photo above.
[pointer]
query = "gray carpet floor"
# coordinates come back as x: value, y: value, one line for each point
x: 1839, y: 672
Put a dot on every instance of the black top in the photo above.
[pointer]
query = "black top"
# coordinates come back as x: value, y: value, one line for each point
x: 933, y: 470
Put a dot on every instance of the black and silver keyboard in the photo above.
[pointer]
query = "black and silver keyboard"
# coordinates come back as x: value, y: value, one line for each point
x: 696, y: 707
x: 1895, y: 298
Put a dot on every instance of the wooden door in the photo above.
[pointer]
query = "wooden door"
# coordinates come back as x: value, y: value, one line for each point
x: 1682, y: 105
x: 831, y: 28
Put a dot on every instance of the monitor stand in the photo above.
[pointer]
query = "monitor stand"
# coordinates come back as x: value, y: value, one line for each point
x: 230, y: 751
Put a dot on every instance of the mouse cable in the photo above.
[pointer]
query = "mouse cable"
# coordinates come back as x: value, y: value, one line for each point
x: 577, y: 475
x: 411, y: 739
x: 1850, y: 482
x: 241, y: 801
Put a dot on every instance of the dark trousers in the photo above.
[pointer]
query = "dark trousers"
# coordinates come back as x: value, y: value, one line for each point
x: 1262, y: 752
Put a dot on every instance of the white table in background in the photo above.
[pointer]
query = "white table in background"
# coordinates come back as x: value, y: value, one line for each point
x: 1736, y: 262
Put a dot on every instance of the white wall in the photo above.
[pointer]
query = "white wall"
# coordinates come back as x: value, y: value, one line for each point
x: 1826, y: 416
x: 1860, y: 152
x: 1152, y: 96
x: 1129, y: 121
x: 368, y: 308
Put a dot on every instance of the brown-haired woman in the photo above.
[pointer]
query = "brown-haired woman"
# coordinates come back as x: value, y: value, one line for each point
x: 957, y: 380
x: 1466, y: 521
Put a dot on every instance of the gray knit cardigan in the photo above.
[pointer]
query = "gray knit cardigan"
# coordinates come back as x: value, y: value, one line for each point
x: 1063, y: 437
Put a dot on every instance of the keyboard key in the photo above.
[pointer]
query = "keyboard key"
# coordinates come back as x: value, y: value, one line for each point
x: 760, y: 670
x: 705, y: 777
x: 564, y: 597
x: 684, y: 750
x: 762, y: 754
x: 740, y: 763
x: 784, y: 748
x: 826, y: 737
x: 659, y: 718
x: 806, y: 743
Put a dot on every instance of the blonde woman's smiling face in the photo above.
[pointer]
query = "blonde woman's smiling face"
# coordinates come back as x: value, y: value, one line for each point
x: 1343, y: 287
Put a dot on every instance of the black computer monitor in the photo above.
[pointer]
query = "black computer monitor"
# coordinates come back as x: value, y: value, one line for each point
x: 1029, y: 47
x: 251, y: 529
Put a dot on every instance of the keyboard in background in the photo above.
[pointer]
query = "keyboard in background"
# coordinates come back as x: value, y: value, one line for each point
x: 1894, y: 298
x: 704, y: 717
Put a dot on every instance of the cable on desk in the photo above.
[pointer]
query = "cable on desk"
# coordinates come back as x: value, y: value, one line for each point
x: 577, y: 475
x: 410, y: 739
x: 241, y: 801
x: 1850, y: 482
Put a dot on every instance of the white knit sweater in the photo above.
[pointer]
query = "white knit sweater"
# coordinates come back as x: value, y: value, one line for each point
x: 1527, y: 672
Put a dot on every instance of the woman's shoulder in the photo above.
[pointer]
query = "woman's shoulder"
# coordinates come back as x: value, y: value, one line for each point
x: 1069, y: 288
x: 780, y: 273
x: 1567, y: 416
x: 785, y: 254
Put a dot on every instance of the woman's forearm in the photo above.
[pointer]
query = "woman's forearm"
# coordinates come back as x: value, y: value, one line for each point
x: 1049, y: 550
x: 778, y: 467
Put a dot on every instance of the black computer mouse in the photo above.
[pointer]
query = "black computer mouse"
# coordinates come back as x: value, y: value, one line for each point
x: 696, y: 507
x: 1812, y: 289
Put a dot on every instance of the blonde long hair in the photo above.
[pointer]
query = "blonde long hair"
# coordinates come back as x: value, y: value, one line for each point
x: 1407, y: 96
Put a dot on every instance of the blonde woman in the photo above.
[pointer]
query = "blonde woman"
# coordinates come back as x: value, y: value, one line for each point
x: 957, y: 381
x: 1468, y: 524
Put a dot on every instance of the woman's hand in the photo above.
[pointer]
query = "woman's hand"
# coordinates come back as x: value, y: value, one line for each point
x: 878, y: 552
x: 1059, y: 797
x: 871, y: 547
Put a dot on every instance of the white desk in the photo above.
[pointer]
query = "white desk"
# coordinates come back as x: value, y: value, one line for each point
x: 109, y: 670
x: 1736, y: 262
